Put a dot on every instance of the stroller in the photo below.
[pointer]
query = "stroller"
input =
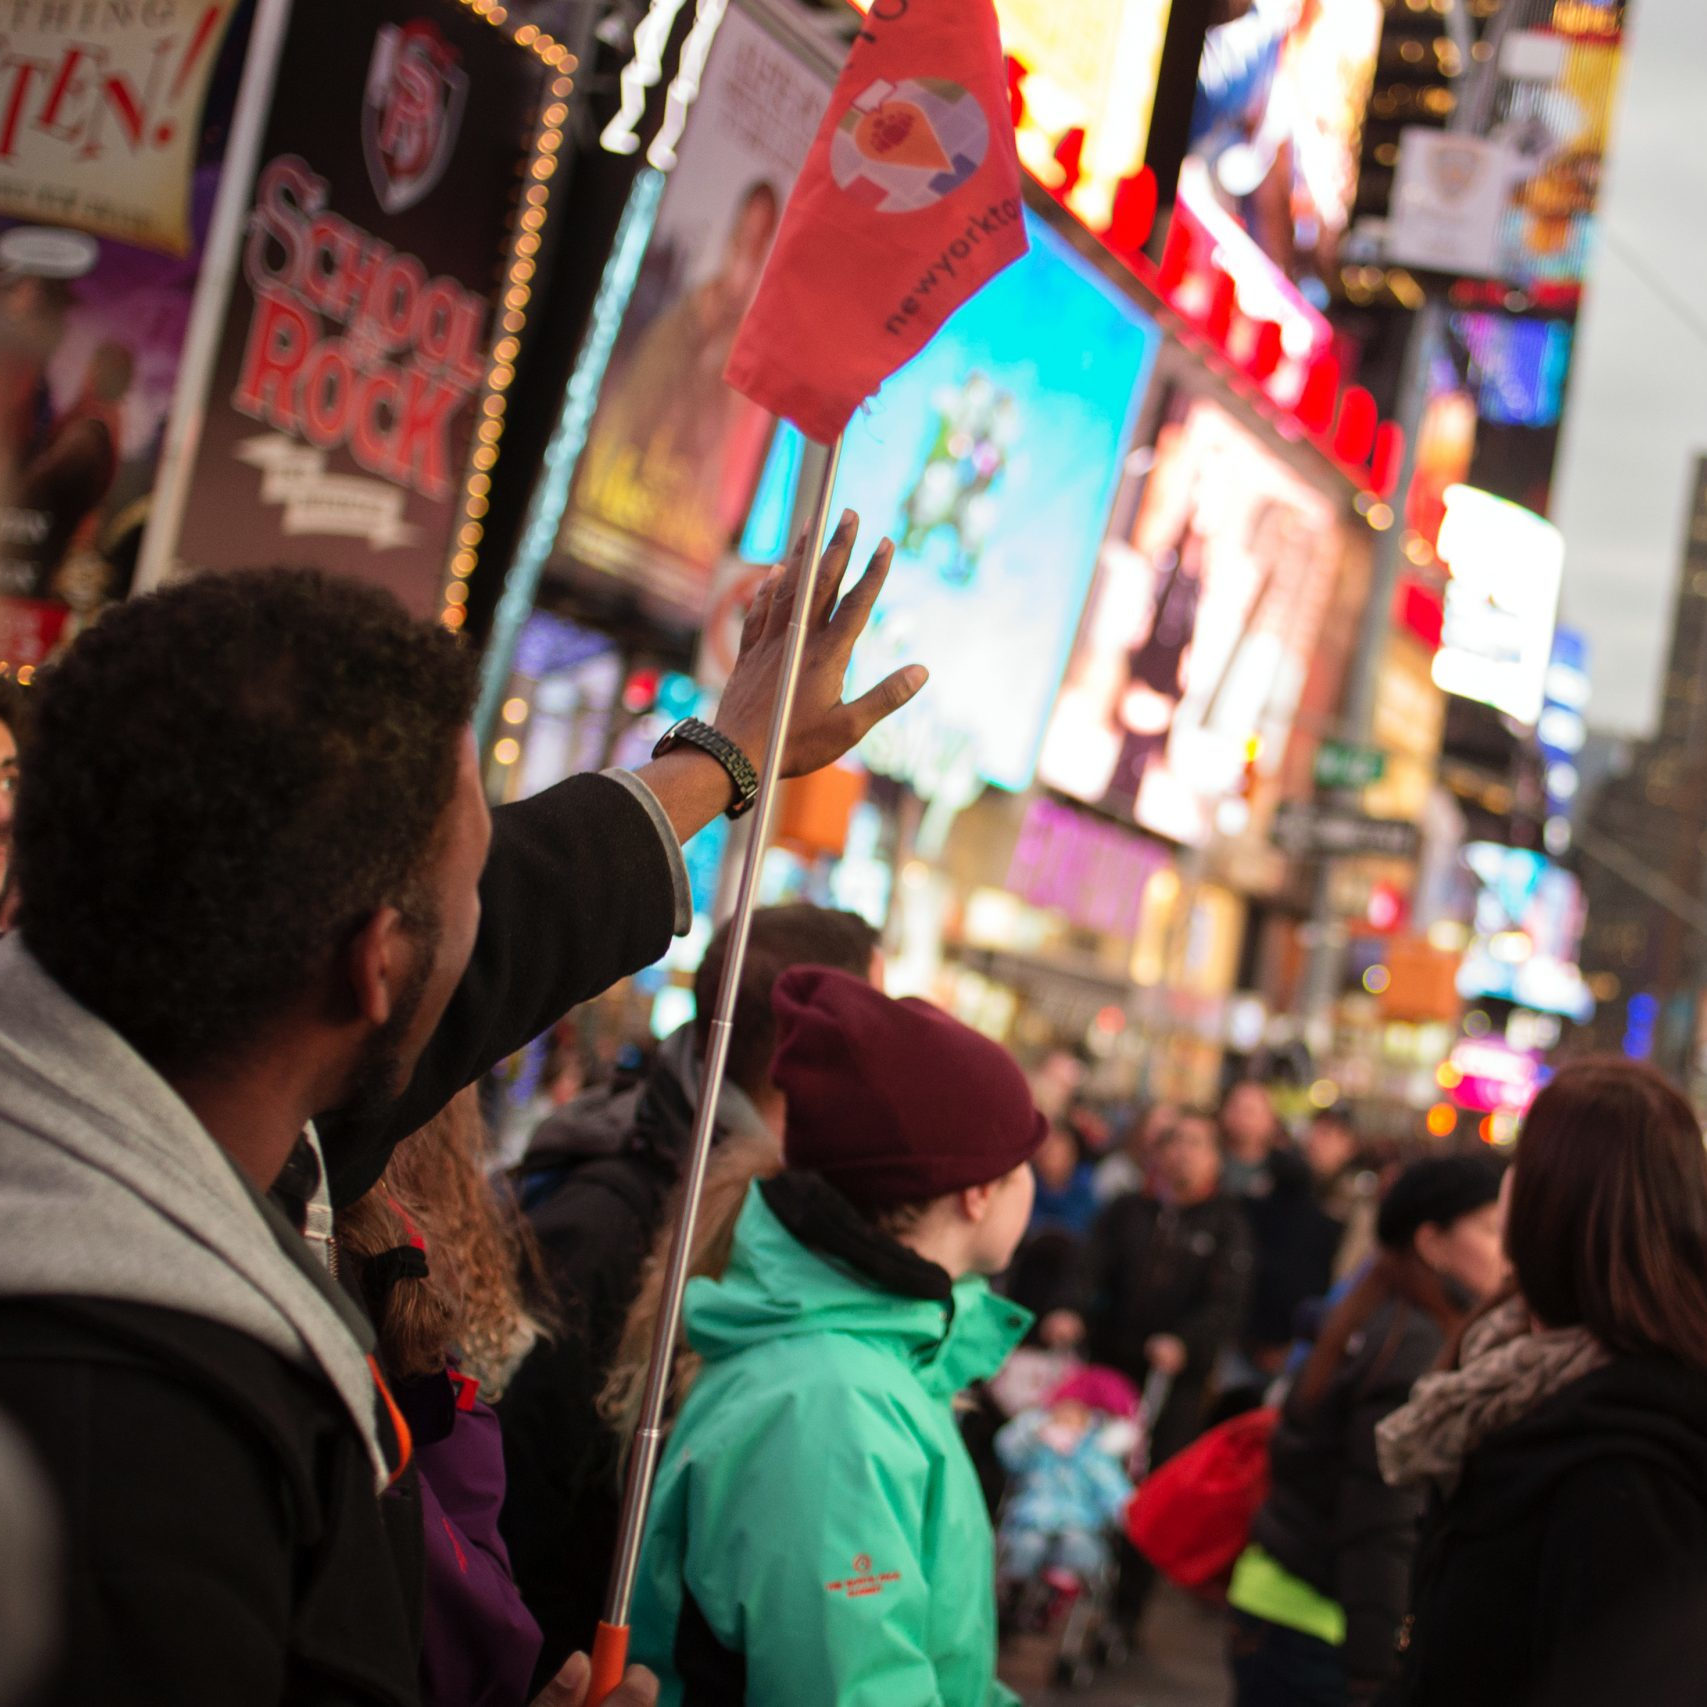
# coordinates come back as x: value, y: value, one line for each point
x: 1076, y: 1442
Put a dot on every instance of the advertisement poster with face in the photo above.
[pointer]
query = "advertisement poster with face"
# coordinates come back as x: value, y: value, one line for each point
x: 1197, y: 641
x: 95, y: 300
x: 673, y: 452
x: 359, y: 331
x: 1278, y: 123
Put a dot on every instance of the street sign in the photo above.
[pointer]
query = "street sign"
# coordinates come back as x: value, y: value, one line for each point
x: 1316, y: 832
x: 1340, y: 765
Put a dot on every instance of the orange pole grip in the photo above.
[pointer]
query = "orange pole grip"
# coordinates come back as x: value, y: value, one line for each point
x: 610, y: 1661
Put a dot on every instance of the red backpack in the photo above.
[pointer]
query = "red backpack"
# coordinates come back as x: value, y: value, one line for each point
x: 1192, y: 1518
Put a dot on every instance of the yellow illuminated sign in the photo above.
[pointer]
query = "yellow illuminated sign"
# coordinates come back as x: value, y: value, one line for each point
x: 1090, y: 66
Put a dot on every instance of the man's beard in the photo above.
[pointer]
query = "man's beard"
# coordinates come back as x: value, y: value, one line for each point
x: 381, y: 1074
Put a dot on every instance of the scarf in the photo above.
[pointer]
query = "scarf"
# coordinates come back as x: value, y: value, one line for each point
x: 1507, y: 1370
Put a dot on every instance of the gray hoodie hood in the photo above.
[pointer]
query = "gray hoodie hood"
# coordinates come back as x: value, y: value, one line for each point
x: 110, y: 1188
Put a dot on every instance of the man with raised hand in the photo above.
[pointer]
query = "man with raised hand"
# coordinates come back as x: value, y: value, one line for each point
x: 262, y: 898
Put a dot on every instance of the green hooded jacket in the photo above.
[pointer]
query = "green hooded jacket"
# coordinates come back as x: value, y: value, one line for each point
x: 818, y: 1537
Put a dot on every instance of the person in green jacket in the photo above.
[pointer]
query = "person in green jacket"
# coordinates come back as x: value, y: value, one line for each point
x: 818, y: 1537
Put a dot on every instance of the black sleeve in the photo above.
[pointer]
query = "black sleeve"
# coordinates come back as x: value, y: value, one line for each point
x: 1375, y: 1534
x: 1216, y: 1320
x: 577, y: 893
x: 176, y: 1547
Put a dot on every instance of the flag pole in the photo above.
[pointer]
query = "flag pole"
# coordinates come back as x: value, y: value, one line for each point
x: 610, y: 1647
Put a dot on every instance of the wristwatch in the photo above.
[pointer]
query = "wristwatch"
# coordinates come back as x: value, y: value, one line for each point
x: 690, y: 732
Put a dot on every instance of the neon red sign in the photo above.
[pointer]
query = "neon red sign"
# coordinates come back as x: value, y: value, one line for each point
x: 1239, y: 308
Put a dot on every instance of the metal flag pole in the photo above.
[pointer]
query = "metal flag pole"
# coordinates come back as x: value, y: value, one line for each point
x: 610, y: 1647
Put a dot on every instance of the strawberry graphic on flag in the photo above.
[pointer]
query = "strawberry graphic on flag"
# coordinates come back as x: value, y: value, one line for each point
x: 908, y: 204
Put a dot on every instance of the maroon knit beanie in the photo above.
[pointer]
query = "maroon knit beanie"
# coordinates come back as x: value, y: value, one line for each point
x: 894, y: 1102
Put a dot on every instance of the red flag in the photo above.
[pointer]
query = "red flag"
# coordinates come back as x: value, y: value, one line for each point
x: 908, y: 204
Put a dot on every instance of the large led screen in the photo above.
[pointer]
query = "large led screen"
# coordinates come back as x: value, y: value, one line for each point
x: 992, y: 460
x: 1527, y: 933
x: 1281, y: 92
x: 1194, y: 650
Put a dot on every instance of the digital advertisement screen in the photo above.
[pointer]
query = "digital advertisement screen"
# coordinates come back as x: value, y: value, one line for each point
x: 1199, y: 633
x: 1281, y: 92
x: 1527, y: 933
x: 991, y: 460
x: 1518, y: 366
x: 1507, y: 567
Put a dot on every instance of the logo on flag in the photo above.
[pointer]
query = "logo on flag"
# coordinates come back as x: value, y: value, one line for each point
x: 903, y: 146
x: 411, y: 112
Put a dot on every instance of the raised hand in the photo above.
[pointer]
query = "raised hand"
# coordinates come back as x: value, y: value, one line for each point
x: 823, y: 726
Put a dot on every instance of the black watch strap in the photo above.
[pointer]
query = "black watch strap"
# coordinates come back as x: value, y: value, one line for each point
x: 690, y: 732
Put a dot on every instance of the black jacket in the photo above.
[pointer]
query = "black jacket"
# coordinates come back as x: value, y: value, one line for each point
x: 1570, y: 1567
x: 224, y: 1545
x: 1330, y: 1519
x: 1296, y: 1243
x: 1150, y: 1268
x: 596, y: 1201
x: 217, y: 1511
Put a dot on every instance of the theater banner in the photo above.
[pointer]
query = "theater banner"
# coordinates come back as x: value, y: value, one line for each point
x: 114, y: 123
x: 356, y: 345
x: 100, y: 114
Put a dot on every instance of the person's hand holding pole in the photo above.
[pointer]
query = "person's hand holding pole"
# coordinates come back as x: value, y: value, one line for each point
x: 572, y: 1686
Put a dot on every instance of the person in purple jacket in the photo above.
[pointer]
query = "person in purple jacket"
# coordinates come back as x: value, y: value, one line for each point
x: 437, y: 1260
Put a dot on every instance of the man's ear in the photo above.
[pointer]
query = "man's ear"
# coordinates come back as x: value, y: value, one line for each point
x: 377, y: 964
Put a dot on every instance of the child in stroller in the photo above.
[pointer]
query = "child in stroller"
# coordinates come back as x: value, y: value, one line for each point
x: 1068, y: 1461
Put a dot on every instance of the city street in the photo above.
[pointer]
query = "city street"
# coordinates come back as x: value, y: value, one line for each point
x: 833, y: 829
x: 1180, y: 1664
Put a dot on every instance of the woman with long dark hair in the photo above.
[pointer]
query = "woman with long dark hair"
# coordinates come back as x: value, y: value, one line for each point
x: 1565, y: 1561
x: 1319, y: 1594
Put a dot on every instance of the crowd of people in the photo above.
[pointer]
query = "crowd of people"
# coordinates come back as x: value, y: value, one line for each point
x: 302, y: 1402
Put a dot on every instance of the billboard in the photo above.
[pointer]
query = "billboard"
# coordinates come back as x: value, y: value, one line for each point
x: 1198, y: 638
x: 357, y: 339
x: 1087, y: 70
x: 102, y: 117
x: 101, y: 244
x: 1518, y: 204
x: 1507, y: 566
x: 991, y: 460
x: 1555, y: 116
x: 1526, y: 933
x: 1278, y: 123
x: 672, y: 452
